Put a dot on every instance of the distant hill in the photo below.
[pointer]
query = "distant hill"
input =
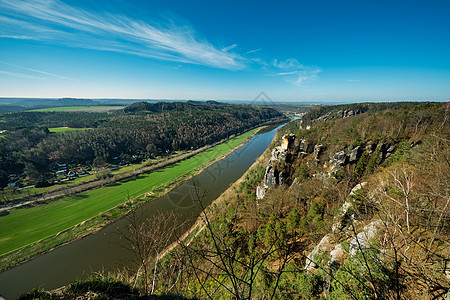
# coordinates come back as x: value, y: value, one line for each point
x: 11, y: 108
x: 57, y: 102
x: 169, y: 106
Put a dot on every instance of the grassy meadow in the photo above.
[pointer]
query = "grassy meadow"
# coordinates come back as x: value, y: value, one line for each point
x: 24, y: 226
x: 64, y: 129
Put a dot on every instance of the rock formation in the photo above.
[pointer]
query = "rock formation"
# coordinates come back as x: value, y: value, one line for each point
x: 363, y: 239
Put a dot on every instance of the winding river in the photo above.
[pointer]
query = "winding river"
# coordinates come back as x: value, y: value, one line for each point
x: 105, y: 251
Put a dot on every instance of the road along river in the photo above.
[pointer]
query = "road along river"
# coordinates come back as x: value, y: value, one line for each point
x: 105, y: 251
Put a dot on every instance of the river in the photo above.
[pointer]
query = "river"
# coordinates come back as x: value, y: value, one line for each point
x: 105, y: 251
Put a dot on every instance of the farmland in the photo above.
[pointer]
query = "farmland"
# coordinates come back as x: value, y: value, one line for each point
x: 25, y: 226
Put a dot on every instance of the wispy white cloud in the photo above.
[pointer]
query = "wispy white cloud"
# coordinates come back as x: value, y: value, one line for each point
x: 290, y: 63
x: 48, y: 74
x: 55, y: 21
x: 306, y: 75
x: 19, y: 75
x: 285, y: 73
x: 253, y: 51
x: 225, y: 49
x: 36, y: 71
x: 17, y: 37
x: 295, y: 72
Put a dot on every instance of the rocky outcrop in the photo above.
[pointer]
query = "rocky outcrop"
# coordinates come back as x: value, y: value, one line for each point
x: 321, y: 176
x: 355, y: 154
x: 349, y: 112
x: 370, y: 146
x: 278, y: 170
x: 323, y: 246
x: 317, y: 151
x: 277, y: 154
x: 351, y: 155
x: 287, y: 142
x: 343, y: 217
x: 357, y: 188
x: 273, y: 176
x: 345, y: 214
x: 260, y: 192
x: 337, y: 255
x: 339, y: 160
x: 345, y: 113
x: 304, y: 146
x: 390, y: 150
x: 362, y: 241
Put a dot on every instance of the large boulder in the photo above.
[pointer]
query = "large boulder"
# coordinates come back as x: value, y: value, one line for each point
x: 337, y: 255
x: 345, y: 213
x: 323, y: 246
x: 260, y: 192
x: 355, y: 154
x: 362, y: 240
x: 339, y: 160
x: 356, y: 188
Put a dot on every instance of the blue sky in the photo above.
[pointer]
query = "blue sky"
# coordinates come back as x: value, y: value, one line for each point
x: 323, y: 51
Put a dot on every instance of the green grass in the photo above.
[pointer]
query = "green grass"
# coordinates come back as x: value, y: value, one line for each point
x: 64, y: 108
x: 64, y: 129
x: 24, y: 226
x: 31, y: 191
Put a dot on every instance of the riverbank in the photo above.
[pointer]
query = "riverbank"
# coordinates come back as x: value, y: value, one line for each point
x: 161, y: 184
x: 218, y: 204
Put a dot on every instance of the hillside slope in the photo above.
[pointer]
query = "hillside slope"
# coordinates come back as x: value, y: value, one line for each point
x: 350, y: 206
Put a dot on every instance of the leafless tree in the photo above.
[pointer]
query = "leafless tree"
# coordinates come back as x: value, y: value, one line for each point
x: 147, y: 238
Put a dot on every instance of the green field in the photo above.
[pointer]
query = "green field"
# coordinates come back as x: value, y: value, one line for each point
x: 24, y: 226
x: 64, y: 129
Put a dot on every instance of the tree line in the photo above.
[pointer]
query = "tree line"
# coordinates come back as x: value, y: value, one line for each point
x: 141, y: 130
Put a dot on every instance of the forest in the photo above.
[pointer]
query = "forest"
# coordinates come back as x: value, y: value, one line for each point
x: 29, y: 151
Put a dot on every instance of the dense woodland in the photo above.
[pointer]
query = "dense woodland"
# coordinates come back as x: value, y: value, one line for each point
x: 141, y: 130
